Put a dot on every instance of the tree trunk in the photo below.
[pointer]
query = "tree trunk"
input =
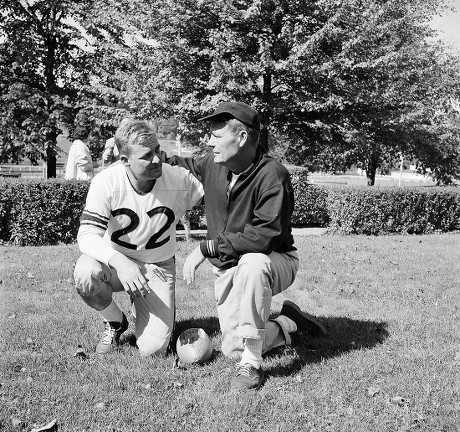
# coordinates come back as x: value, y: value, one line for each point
x: 263, y: 139
x: 372, y: 165
x: 51, y: 158
x: 266, y: 111
x: 51, y: 43
x: 50, y: 162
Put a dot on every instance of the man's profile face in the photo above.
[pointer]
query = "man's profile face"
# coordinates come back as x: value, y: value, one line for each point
x: 224, y: 143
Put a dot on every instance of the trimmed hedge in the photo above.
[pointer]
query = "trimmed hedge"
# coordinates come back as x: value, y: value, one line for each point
x: 47, y: 212
x: 196, y: 218
x: 310, y: 207
x: 418, y: 210
x: 41, y: 212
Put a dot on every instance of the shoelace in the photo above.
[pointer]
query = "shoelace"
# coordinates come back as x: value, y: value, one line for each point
x: 244, y: 369
x: 109, y: 334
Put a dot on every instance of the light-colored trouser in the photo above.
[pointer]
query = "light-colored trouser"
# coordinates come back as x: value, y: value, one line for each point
x: 243, y: 295
x: 155, y: 313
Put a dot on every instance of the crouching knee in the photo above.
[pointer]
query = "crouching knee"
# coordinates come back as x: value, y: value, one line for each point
x: 254, y: 264
x: 255, y: 261
x: 88, y: 276
x: 153, y: 345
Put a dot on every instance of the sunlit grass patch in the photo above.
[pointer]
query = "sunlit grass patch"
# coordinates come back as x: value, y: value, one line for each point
x: 391, y: 361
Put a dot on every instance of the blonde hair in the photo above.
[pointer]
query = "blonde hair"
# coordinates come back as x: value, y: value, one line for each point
x: 132, y: 132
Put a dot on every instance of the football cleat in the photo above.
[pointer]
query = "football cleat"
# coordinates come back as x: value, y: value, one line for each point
x: 111, y: 336
x: 303, y: 320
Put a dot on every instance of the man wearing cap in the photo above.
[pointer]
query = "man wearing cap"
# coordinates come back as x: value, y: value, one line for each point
x: 248, y: 203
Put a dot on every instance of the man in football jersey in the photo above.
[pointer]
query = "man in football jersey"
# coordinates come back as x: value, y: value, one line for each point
x: 248, y: 202
x: 127, y: 239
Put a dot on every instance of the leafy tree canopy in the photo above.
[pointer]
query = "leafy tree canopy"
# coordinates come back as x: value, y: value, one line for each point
x: 342, y: 82
x: 346, y: 83
x: 41, y: 73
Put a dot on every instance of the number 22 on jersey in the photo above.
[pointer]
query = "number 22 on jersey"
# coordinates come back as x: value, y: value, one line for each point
x: 153, y: 242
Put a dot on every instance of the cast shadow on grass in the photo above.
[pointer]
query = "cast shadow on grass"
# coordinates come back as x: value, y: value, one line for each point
x: 345, y: 335
x: 209, y: 324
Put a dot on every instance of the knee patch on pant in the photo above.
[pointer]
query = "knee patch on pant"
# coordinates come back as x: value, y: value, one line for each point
x: 89, y: 276
x: 153, y: 345
x: 255, y: 266
x: 257, y: 262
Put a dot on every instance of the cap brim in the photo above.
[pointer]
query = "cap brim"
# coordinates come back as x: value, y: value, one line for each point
x: 216, y: 115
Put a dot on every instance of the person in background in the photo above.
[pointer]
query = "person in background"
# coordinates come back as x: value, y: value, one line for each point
x: 80, y: 165
x: 127, y: 238
x: 110, y: 154
x: 248, y: 203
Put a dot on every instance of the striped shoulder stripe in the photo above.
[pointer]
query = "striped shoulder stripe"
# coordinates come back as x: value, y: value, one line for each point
x: 91, y: 219
x: 96, y: 215
x: 211, y: 248
x: 208, y: 248
x: 95, y: 224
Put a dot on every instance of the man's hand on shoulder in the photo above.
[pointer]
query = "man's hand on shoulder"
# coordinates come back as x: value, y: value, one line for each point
x: 192, y: 262
x: 130, y: 275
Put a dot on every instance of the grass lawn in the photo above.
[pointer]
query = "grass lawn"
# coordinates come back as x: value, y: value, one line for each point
x: 391, y: 362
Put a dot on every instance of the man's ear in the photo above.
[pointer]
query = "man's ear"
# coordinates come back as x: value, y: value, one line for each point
x: 243, y: 135
x: 124, y: 159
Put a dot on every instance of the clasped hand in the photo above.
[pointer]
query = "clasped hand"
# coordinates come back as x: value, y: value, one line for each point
x: 130, y: 275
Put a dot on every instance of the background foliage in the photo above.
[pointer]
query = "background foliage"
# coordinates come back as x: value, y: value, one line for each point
x: 338, y: 84
x: 393, y: 210
x: 345, y: 83
x: 43, y: 74
x: 47, y: 212
x: 41, y: 212
x: 310, y: 201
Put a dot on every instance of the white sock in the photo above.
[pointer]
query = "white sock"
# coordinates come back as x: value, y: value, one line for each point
x: 286, y: 323
x: 112, y: 313
x: 252, y: 353
x: 133, y: 310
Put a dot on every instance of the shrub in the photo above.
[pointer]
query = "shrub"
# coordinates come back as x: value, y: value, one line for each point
x: 196, y: 217
x: 393, y: 210
x: 39, y: 212
x: 310, y: 201
x: 47, y: 212
x: 5, y: 207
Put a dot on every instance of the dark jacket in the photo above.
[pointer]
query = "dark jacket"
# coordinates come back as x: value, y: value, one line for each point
x: 256, y: 217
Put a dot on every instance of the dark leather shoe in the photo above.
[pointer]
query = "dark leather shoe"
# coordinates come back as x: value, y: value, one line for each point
x: 304, y: 321
x: 247, y: 377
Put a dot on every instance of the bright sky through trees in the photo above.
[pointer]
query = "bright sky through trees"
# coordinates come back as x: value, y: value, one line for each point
x: 448, y: 26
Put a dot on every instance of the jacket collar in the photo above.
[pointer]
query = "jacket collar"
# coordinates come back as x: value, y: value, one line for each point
x: 259, y: 155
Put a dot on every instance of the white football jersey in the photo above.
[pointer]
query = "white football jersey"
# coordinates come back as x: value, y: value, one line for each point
x: 140, y: 226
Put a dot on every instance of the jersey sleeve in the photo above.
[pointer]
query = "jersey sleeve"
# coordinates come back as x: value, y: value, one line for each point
x: 94, y: 222
x: 195, y: 191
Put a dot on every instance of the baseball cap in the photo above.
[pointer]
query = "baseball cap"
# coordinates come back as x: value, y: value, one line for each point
x: 239, y: 110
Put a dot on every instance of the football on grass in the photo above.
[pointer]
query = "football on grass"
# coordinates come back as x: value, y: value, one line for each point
x: 194, y: 346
